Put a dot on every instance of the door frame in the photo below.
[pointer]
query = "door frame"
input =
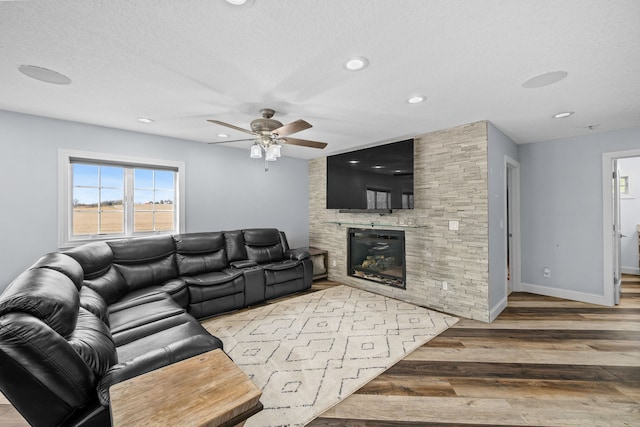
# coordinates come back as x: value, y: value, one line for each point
x: 511, y: 214
x: 607, y: 221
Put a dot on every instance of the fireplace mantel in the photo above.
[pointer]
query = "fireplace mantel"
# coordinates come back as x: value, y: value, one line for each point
x: 374, y: 224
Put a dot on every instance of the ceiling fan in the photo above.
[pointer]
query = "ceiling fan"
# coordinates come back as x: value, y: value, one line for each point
x: 269, y: 134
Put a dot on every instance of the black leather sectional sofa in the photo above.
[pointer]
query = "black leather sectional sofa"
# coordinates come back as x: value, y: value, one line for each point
x: 79, y: 321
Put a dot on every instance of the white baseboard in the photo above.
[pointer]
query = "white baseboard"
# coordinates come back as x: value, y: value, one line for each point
x: 497, y: 309
x: 631, y: 270
x: 563, y: 293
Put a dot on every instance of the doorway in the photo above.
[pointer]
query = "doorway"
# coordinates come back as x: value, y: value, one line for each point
x: 611, y: 226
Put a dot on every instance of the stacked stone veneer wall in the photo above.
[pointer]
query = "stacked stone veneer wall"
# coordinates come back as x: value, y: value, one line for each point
x: 450, y: 183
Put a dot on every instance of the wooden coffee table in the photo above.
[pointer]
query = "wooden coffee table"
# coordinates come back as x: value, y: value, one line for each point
x: 205, y: 390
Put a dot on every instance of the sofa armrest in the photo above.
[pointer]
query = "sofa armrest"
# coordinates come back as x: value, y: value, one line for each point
x: 297, y: 254
x: 155, y: 359
x: 245, y: 263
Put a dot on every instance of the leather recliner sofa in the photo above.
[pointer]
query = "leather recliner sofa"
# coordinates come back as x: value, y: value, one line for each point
x: 78, y: 321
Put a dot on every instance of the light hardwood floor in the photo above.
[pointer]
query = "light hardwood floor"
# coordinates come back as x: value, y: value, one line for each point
x: 544, y: 362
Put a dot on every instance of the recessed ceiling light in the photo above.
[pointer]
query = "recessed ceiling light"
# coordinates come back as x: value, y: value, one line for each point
x: 223, y: 135
x: 544, y: 79
x: 356, y: 63
x: 416, y: 99
x: 377, y: 167
x: 146, y: 120
x: 246, y: 3
x: 354, y: 162
x: 563, y: 115
x: 44, y: 74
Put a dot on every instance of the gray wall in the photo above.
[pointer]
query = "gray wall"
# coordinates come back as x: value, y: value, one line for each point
x: 500, y: 146
x: 561, y: 211
x: 225, y: 189
x: 630, y: 214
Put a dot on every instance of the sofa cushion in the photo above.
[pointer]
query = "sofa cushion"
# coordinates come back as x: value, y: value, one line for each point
x: 234, y: 244
x: 283, y: 271
x: 215, y: 285
x: 64, y: 264
x: 163, y: 348
x: 145, y: 261
x: 91, y: 301
x: 49, y: 367
x: 95, y: 258
x: 135, y: 313
x: 110, y: 285
x: 198, y: 253
x: 92, y: 341
x: 46, y: 294
x: 263, y: 245
x: 176, y: 288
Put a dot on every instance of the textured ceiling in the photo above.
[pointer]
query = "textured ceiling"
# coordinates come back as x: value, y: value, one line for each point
x: 182, y: 62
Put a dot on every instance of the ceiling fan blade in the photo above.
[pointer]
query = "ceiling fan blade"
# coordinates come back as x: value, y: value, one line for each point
x: 232, y: 126
x: 302, y: 142
x: 233, y: 140
x: 292, y: 127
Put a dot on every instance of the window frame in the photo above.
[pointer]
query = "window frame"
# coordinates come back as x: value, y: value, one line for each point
x: 67, y: 157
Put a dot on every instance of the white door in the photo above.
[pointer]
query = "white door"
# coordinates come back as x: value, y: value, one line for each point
x: 617, y: 235
x: 512, y: 226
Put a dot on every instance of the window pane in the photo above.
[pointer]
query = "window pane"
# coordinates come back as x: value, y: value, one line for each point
x: 143, y: 178
x: 164, y: 200
x: 371, y: 199
x: 164, y: 180
x: 111, y: 176
x: 111, y: 221
x: 381, y: 200
x: 87, y: 197
x: 112, y: 198
x: 164, y: 221
x: 85, y: 175
x: 142, y: 221
x: 143, y: 199
x: 85, y: 221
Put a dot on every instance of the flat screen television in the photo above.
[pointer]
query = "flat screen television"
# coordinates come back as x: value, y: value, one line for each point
x: 375, y: 179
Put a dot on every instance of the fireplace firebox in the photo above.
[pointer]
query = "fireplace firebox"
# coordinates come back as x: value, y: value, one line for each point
x: 377, y: 255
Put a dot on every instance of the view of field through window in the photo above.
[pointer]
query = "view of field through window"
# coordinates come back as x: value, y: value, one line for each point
x: 99, y: 192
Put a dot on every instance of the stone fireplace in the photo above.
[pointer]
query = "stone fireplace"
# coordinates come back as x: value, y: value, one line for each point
x: 377, y: 255
x: 450, y: 183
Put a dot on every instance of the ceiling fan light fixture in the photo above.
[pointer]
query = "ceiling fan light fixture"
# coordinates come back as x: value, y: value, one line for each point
x: 272, y: 153
x: 256, y: 151
x: 356, y: 63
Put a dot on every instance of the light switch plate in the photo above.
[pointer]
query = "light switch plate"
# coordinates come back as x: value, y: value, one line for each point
x: 454, y: 225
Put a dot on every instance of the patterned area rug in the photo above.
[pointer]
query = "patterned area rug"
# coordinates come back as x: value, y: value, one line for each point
x: 308, y: 353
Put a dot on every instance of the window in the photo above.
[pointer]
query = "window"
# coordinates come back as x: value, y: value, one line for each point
x: 407, y: 200
x: 378, y: 199
x: 106, y: 197
x: 624, y: 185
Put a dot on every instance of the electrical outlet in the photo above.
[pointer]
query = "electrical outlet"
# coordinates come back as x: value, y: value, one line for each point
x: 546, y: 272
x: 445, y: 286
